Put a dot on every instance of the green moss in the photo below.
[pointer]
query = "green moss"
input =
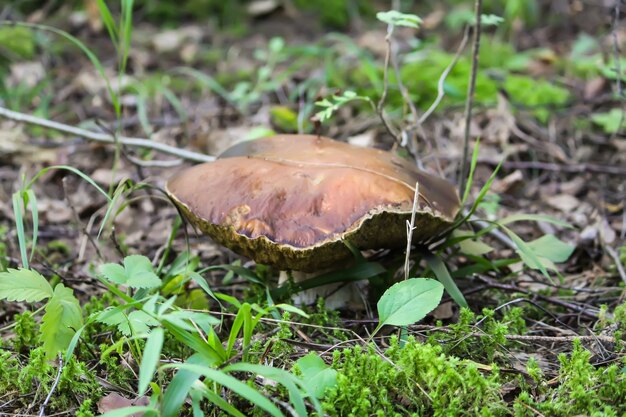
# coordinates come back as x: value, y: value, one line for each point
x: 8, y: 371
x: 422, y: 379
x: 76, y: 382
x: 583, y: 389
x: 416, y: 379
x: 26, y: 332
x: 456, y: 342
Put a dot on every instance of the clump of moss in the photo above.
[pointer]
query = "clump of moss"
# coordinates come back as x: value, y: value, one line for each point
x: 8, y: 371
x: 583, y: 389
x: 26, y: 332
x: 484, y: 349
x: 415, y: 379
x: 76, y: 382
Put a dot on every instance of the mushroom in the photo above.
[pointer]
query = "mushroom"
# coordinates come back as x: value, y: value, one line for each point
x: 291, y: 201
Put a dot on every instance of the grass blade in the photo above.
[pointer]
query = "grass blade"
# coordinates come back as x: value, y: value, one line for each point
x: 240, y: 388
x: 150, y: 359
x: 470, y: 176
x: 443, y: 275
x: 19, y: 226
x: 31, y: 199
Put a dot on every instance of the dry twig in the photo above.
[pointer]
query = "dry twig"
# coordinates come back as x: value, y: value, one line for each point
x: 105, y: 138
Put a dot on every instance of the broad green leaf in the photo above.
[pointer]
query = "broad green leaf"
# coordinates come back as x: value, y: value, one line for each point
x: 316, y: 375
x: 529, y: 257
x: 610, y: 122
x: 150, y: 359
x: 469, y: 245
x: 408, y: 301
x: 137, y: 322
x: 140, y: 273
x: 240, y: 388
x: 113, y: 272
x: 551, y: 248
x: 62, y: 319
x: 24, y: 285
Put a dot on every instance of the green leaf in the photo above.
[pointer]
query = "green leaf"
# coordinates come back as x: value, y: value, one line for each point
x: 19, y: 225
x: 611, y: 122
x: 395, y: 18
x: 490, y: 20
x: 150, y: 359
x: 24, y: 285
x: 135, y: 410
x: 238, y: 387
x: 287, y: 379
x: 137, y: 322
x: 114, y: 273
x: 31, y: 199
x: 551, y: 248
x: 140, y: 273
x: 219, y: 401
x: 470, y: 176
x: 62, y: 319
x: 529, y: 257
x: 443, y: 275
x: 316, y: 375
x: 292, y: 309
x: 408, y: 301
x: 137, y: 272
x: 179, y: 387
x: 470, y: 245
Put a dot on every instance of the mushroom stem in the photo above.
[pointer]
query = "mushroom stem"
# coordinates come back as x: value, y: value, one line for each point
x: 337, y: 295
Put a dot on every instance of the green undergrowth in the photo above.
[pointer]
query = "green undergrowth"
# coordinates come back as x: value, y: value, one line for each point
x: 417, y: 379
x: 459, y: 370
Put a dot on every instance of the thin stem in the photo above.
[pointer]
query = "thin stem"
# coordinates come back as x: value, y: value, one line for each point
x: 470, y: 95
x: 381, y: 103
x: 409, y: 231
x: 440, y: 85
x: 104, y: 137
x: 42, y: 409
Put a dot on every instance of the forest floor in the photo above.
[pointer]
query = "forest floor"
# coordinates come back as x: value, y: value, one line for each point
x: 549, y: 106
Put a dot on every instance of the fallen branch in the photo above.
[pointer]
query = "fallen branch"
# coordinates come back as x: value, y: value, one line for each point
x: 104, y: 137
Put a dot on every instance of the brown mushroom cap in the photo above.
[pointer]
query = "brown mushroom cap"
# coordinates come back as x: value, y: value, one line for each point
x: 290, y: 200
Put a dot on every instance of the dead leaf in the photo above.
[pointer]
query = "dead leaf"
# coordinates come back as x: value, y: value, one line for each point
x: 262, y: 7
x: 509, y: 184
x: 114, y: 401
x: 172, y: 40
x: 93, y: 15
x: 563, y: 202
x: 105, y: 176
x: 56, y: 211
x: 594, y: 87
x: 28, y: 74
x: 443, y: 311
